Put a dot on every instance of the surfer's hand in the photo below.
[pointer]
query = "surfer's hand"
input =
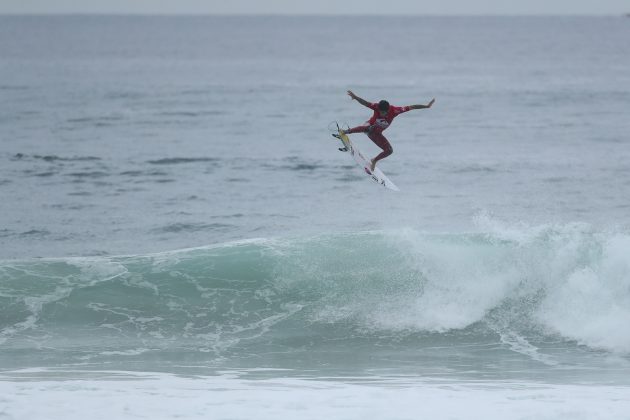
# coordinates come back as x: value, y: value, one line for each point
x: 431, y: 103
x: 352, y: 95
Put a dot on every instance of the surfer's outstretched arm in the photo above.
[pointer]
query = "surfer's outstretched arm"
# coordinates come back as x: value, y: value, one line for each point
x: 359, y: 100
x: 429, y: 105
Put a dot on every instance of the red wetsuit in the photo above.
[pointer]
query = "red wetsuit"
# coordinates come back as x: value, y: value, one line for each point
x: 375, y: 126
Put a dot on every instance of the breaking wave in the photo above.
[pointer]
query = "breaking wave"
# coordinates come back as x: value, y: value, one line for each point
x: 406, y: 289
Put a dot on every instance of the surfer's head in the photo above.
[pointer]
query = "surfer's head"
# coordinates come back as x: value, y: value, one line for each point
x: 383, y: 106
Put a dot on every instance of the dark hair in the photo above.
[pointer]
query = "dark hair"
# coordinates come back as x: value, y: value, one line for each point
x: 383, y: 105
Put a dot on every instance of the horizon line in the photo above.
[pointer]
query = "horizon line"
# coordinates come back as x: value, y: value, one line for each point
x: 187, y: 14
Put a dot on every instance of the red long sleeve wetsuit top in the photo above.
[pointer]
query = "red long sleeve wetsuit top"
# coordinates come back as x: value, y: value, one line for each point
x: 379, y: 123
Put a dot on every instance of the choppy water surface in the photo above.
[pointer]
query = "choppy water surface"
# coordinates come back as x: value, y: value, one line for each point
x: 175, y: 218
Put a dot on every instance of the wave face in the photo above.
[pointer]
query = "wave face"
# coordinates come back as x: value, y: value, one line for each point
x: 326, y: 299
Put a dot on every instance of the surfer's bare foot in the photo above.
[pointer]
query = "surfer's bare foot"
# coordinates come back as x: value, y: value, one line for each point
x: 372, y: 165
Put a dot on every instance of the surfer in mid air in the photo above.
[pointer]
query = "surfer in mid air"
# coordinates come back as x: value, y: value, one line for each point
x: 384, y: 113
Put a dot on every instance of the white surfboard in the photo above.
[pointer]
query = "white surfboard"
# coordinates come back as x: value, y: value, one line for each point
x: 377, y: 175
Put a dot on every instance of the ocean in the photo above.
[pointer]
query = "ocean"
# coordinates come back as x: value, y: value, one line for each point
x: 180, y: 238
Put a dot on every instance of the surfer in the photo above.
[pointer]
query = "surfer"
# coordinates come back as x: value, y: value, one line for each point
x: 384, y: 113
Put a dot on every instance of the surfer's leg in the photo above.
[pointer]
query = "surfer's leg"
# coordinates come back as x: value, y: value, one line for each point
x: 380, y: 140
x: 358, y: 129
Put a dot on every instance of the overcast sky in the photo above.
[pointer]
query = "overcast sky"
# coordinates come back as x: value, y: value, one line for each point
x: 397, y: 7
